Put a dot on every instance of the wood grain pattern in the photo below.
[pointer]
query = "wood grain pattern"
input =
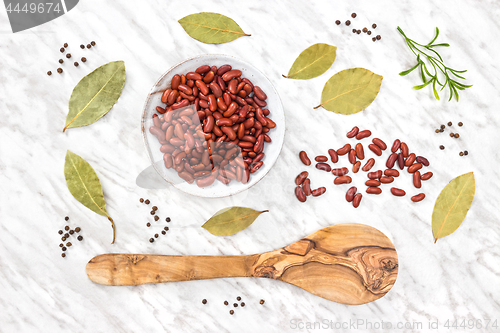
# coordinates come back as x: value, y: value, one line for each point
x: 346, y: 263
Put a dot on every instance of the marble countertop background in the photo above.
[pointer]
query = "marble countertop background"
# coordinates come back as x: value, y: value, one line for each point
x: 458, y: 278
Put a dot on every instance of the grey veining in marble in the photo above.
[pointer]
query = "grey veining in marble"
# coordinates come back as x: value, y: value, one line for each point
x: 456, y: 278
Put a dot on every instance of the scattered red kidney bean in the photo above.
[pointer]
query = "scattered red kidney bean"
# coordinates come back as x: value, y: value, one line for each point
x: 398, y: 192
x: 306, y: 186
x: 342, y: 180
x: 375, y: 174
x: 391, y: 161
x: 369, y: 164
x: 299, y: 193
x: 304, y: 158
x: 373, y: 190
x: 418, y: 197
x: 363, y: 134
x: 395, y: 145
x: 410, y: 159
x: 344, y: 150
x: 414, y: 167
x: 352, y: 156
x: 340, y: 171
x: 423, y: 160
x: 360, y: 153
x: 351, y: 192
x: 386, y: 179
x: 372, y: 182
x: 391, y: 172
x: 321, y: 158
x: 381, y: 144
x: 356, y: 166
x: 301, y: 177
x: 357, y: 199
x: 352, y: 133
x: 323, y: 166
x: 319, y: 191
x: 333, y: 155
x: 375, y: 149
x: 416, y: 179
x: 404, y: 149
x: 426, y: 176
x: 401, y: 161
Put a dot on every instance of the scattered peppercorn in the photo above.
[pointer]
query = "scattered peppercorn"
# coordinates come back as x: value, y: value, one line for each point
x: 68, y: 55
x: 452, y: 135
x: 369, y: 32
x: 59, y: 70
x: 66, y: 235
x: 163, y: 232
x: 88, y: 46
x: 353, y: 15
x: 226, y: 303
x: 64, y: 248
x: 65, y: 45
x: 449, y: 123
x: 167, y: 219
x: 154, y: 208
x: 337, y: 22
x: 347, y: 22
x: 354, y: 31
x: 437, y: 130
x: 60, y: 232
x: 157, y: 218
x: 84, y: 59
x: 63, y: 255
x: 147, y: 202
x: 378, y: 37
x: 61, y: 245
x: 457, y: 135
x: 141, y: 200
x: 441, y: 147
x: 156, y: 235
x: 374, y: 39
x: 66, y: 228
x: 61, y: 61
x: 262, y: 301
x: 204, y: 301
x: 242, y: 304
x: 92, y: 43
x: 82, y: 46
x: 235, y: 305
x: 63, y: 238
x: 466, y: 152
x: 61, y: 49
x: 49, y: 73
x: 68, y: 244
x: 148, y: 224
x: 66, y: 218
x: 365, y: 29
x: 374, y: 25
x: 152, y: 212
x: 71, y: 232
x: 231, y: 312
x: 77, y: 229
x: 80, y: 238
x: 151, y: 240
x: 442, y: 126
x: 76, y: 64
x: 238, y: 298
x: 358, y: 31
x: 460, y: 124
x: 461, y: 153
x: 166, y: 228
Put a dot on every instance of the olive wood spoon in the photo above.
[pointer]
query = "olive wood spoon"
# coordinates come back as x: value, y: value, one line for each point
x: 345, y: 263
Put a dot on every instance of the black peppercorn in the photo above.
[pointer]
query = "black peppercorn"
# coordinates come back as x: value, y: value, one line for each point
x: 163, y: 232
x: 449, y: 123
x: 63, y: 255
x: 61, y: 61
x: 226, y: 303
x: 64, y: 248
x: 66, y: 228
x: 76, y: 64
x: 66, y: 235
x: 77, y: 229
x: 63, y: 238
x: 92, y: 43
x: 148, y: 224
x: 442, y: 126
x: 151, y: 240
x: 461, y: 153
x: 154, y: 208
x: 374, y: 25
x: 65, y: 45
x: 452, y: 135
x: 84, y: 59
x: 457, y: 135
x: 68, y: 244
x: 353, y: 31
x: 80, y: 238
x: 374, y: 39
x: 60, y: 232
x: 231, y: 312
x: 441, y: 147
x: 59, y: 70
x: 262, y: 301
x: 204, y: 301
x: 71, y: 232
x: 167, y: 219
x: 49, y: 73
x: 238, y: 298
x: 378, y: 37
x: 61, y: 245
x: 460, y: 124
x: 152, y: 212
x: 437, y: 130
x: 157, y: 218
x: 156, y: 235
x: 353, y: 15
x: 82, y: 46
x: 166, y: 228
x: 347, y: 22
x: 337, y: 22
x: 147, y: 202
x: 66, y: 218
x: 358, y: 31
x: 61, y: 49
x: 88, y: 46
x: 369, y: 32
x: 235, y: 305
x: 141, y: 200
x: 466, y: 152
x: 365, y: 29
x: 242, y: 304
x: 68, y: 55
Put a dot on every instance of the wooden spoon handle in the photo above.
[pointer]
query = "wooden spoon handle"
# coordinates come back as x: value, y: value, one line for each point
x: 116, y: 269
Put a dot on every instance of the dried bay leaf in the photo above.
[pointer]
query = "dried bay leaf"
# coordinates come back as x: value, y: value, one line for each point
x: 84, y: 185
x: 231, y: 220
x: 211, y: 28
x: 312, y: 62
x: 350, y: 91
x: 95, y: 94
x: 452, y: 205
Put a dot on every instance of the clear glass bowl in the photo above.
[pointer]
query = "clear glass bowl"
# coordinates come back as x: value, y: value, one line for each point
x: 271, y: 150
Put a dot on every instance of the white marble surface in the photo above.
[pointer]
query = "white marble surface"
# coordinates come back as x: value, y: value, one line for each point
x: 457, y: 278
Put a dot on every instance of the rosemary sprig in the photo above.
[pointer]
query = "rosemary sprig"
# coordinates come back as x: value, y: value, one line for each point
x: 430, y: 54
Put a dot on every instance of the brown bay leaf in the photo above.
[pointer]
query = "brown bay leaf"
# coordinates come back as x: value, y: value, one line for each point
x: 452, y: 205
x: 95, y: 94
x: 312, y: 62
x: 231, y: 220
x: 84, y: 185
x: 211, y: 28
x: 350, y: 91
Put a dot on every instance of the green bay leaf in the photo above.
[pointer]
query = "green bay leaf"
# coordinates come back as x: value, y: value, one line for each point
x: 84, y: 185
x: 452, y: 205
x: 312, y: 62
x: 231, y: 220
x: 350, y: 91
x: 211, y: 28
x: 95, y: 94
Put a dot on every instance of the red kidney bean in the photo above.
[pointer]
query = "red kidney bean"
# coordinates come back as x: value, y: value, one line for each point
x: 186, y: 176
x: 373, y: 190
x: 207, y: 181
x: 215, y: 88
x: 352, y: 156
x: 176, y: 80
x: 357, y: 200
x: 301, y: 177
x: 323, y: 166
x: 391, y: 160
x: 319, y: 191
x: 351, y: 192
x: 391, y: 172
x: 373, y: 182
x: 321, y: 158
x: 375, y: 174
x: 306, y: 186
x: 363, y: 134
x: 426, y: 176
x: 342, y: 180
x: 156, y: 121
x: 333, y: 155
x: 369, y: 164
x: 223, y: 69
x: 181, y: 104
x: 193, y: 76
x: 401, y: 161
x: 202, y: 69
x: 209, y: 77
x: 375, y: 149
x: 256, y: 166
x: 360, y: 153
x: 423, y: 160
x: 404, y: 149
x: 247, y: 81
x: 157, y: 132
x: 260, y: 117
x: 418, y: 197
x: 167, y: 159
x: 340, y: 171
x: 224, y: 122
x: 416, y: 179
x: 410, y: 159
x: 344, y: 150
x: 231, y: 74
x: 172, y: 97
x: 395, y: 145
x: 299, y: 193
x: 185, y: 89
x: 259, y: 102
x: 356, y: 166
x: 352, y: 133
x: 259, y: 93
x: 259, y: 144
x: 233, y: 84
x: 303, y: 157
x: 165, y: 94
x: 386, y: 179
x: 381, y: 144
x: 167, y: 148
x: 398, y: 192
x: 414, y: 167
